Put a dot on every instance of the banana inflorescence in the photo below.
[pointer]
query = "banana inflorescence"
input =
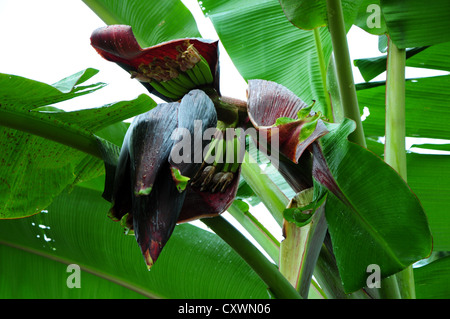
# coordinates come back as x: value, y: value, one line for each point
x: 174, y: 78
x: 220, y: 164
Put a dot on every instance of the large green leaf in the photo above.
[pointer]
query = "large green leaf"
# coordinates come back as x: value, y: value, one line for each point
x: 429, y: 177
x: 435, y: 57
x: 427, y: 108
x: 35, y: 165
x: 373, y: 217
x: 311, y: 14
x: 43, y: 277
x: 372, y: 67
x: 433, y: 280
x: 427, y: 115
x: 415, y: 23
x: 75, y: 230
x: 263, y: 44
x: 153, y: 21
x: 433, y: 147
x: 33, y: 94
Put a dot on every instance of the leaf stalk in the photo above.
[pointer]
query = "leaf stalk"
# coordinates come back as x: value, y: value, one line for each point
x: 395, y: 153
x: 345, y: 80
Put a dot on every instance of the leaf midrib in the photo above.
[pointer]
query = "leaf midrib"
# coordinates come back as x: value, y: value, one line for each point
x: 366, y: 225
x: 91, y: 270
x: 54, y: 130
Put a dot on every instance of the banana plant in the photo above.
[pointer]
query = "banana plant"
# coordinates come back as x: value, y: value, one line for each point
x: 357, y: 218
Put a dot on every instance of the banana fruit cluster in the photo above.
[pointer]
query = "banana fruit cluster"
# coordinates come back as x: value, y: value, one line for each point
x: 219, y: 166
x: 175, y: 78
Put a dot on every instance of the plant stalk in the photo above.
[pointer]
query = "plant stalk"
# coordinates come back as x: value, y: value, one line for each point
x: 268, y: 272
x: 345, y: 80
x: 293, y: 246
x: 389, y: 288
x: 406, y: 284
x: 300, y: 249
x: 395, y: 153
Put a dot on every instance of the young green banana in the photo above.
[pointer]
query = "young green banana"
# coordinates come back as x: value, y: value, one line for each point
x: 161, y: 89
x: 205, y: 70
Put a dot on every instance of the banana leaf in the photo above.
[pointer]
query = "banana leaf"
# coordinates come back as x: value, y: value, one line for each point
x: 75, y: 230
x: 34, y: 168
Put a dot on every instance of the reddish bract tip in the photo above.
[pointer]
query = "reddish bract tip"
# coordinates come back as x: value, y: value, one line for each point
x: 117, y: 43
x: 148, y: 259
x: 269, y: 101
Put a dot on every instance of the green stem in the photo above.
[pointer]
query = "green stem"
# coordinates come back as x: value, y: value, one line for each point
x: 395, y: 153
x: 268, y: 272
x: 301, y: 246
x: 269, y: 193
x: 347, y: 89
x: 262, y: 236
x: 294, y: 245
x: 292, y: 253
x: 323, y: 73
x: 389, y: 288
x: 56, y: 132
x: 406, y: 284
x: 318, y: 291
